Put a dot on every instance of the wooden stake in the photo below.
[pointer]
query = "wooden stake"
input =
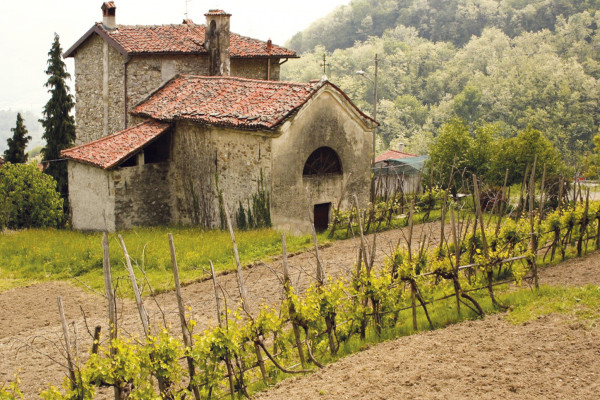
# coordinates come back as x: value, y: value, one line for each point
x: 287, y: 284
x: 136, y: 290
x: 236, y: 255
x: 321, y: 277
x: 112, y: 308
x: 533, y: 243
x: 110, y: 296
x: 65, y: 329
x: 187, y: 337
x: 220, y: 320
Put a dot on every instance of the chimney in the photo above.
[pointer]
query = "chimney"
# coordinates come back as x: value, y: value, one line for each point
x: 109, y: 12
x: 401, y: 147
x: 217, y: 42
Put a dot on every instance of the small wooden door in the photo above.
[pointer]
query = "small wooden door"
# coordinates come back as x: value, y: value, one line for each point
x: 321, y: 216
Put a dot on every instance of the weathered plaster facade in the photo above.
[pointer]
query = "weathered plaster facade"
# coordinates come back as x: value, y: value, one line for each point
x: 92, y: 197
x: 327, y: 120
x: 183, y: 189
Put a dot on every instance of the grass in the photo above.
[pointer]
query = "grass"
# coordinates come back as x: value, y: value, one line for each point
x: 45, y: 254
x: 581, y: 303
x: 37, y: 255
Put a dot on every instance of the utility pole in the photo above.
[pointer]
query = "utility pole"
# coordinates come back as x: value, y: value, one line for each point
x: 374, y: 82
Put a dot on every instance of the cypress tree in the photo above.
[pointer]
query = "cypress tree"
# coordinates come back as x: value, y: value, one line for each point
x: 58, y: 123
x: 16, y: 145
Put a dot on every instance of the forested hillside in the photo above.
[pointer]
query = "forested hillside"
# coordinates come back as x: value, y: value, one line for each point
x: 507, y: 64
x: 436, y: 20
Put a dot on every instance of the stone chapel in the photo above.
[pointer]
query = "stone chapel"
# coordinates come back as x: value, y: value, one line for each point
x: 176, y: 122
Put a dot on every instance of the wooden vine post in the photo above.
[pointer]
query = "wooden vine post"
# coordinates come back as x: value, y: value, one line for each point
x: 228, y: 364
x: 368, y: 261
x: 65, y: 329
x: 244, y: 295
x: 187, y: 337
x: 120, y: 394
x: 322, y: 282
x: 163, y: 385
x: 136, y: 291
x: 533, y: 242
x: 413, y: 291
x: 287, y: 286
x: 489, y: 267
x: 455, y: 280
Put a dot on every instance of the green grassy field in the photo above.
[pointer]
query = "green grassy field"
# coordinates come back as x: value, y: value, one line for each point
x: 35, y: 255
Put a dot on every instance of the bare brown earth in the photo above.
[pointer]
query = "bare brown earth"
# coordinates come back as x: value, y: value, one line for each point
x: 30, y: 330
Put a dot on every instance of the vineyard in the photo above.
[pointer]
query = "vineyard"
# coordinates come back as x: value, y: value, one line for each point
x: 422, y: 280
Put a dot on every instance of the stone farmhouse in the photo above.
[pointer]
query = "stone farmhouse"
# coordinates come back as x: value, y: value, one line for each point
x: 176, y: 122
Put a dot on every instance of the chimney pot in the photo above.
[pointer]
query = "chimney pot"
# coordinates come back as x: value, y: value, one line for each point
x: 109, y: 15
x: 269, y: 45
x: 401, y: 147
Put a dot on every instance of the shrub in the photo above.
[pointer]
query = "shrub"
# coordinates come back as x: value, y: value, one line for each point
x: 28, y: 198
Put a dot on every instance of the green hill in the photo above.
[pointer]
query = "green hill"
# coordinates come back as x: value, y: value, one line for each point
x: 489, y: 62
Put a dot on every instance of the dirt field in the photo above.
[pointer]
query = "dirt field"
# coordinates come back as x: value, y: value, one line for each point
x: 546, y: 350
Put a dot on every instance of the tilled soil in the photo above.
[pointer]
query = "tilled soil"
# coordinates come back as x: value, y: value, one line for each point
x: 549, y: 358
x: 30, y: 327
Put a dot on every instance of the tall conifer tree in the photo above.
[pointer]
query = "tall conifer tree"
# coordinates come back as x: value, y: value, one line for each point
x: 58, y: 123
x: 16, y: 145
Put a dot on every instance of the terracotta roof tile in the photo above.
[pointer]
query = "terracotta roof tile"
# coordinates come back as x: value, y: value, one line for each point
x: 186, y: 38
x: 227, y: 101
x: 393, y: 155
x: 109, y: 151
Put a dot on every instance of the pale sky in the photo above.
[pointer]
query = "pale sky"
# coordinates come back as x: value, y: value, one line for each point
x: 27, y: 30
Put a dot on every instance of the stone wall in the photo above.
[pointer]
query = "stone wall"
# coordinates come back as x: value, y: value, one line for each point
x: 254, y: 68
x: 326, y: 120
x: 98, y: 90
x: 142, y: 195
x: 202, y: 153
x: 92, y: 197
x: 100, y: 75
x: 146, y: 73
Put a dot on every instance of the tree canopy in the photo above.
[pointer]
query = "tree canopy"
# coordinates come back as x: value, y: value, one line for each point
x: 512, y: 73
x: 58, y: 123
x: 28, y: 198
x: 15, y: 153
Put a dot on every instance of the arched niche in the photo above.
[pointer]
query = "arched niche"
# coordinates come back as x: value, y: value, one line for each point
x: 322, y: 161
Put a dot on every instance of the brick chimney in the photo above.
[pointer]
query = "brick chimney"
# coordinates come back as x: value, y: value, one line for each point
x: 217, y: 42
x: 109, y: 15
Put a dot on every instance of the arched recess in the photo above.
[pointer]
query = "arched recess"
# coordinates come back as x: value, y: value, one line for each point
x: 322, y: 161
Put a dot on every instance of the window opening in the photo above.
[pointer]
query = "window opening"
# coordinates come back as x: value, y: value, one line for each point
x: 159, y: 150
x: 323, y: 160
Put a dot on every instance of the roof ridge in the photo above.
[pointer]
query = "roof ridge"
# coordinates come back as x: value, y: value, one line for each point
x: 239, y: 78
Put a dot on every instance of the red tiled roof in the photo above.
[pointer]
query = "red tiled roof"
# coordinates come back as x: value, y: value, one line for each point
x: 109, y: 151
x: 227, y: 101
x: 393, y: 155
x: 187, y: 38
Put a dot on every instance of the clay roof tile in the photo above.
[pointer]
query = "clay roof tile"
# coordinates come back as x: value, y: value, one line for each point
x: 109, y: 151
